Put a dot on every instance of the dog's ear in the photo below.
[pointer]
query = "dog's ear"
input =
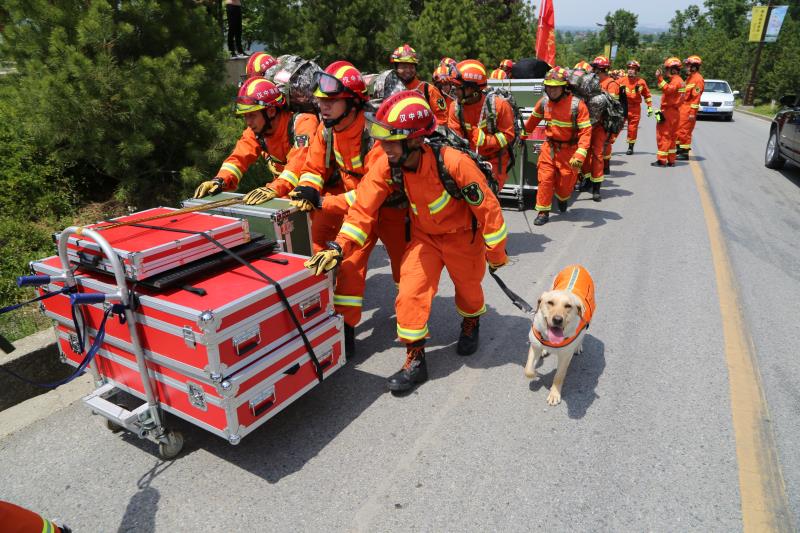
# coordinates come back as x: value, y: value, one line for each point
x: 579, y: 307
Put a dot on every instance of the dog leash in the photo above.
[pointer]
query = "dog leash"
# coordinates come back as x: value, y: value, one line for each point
x: 514, y: 297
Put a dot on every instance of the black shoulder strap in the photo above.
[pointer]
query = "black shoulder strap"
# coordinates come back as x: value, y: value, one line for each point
x: 574, y: 104
x: 427, y: 91
x: 445, y: 177
x: 367, y: 142
x: 327, y: 136
x: 290, y: 128
x: 460, y: 116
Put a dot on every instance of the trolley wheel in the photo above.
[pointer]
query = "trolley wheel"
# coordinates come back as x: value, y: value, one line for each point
x: 113, y: 427
x: 172, y: 446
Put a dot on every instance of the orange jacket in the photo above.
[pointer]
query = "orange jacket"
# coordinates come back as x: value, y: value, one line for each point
x: 610, y: 86
x: 695, y: 85
x: 433, y: 210
x: 285, y: 156
x: 560, y: 127
x: 578, y: 281
x: 345, y: 157
x: 672, y: 91
x: 434, y: 98
x: 635, y: 88
x: 492, y: 147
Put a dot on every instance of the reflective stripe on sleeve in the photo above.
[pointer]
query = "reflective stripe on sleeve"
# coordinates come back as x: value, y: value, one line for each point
x: 583, y: 125
x: 501, y: 138
x: 481, y: 138
x: 354, y: 233
x: 581, y: 151
x: 440, y: 203
x: 695, y: 106
x: 356, y: 162
x: 233, y: 169
x: 289, y: 176
x: 661, y: 84
x: 316, y: 179
x: 537, y: 115
x: 350, y: 197
x: 492, y: 239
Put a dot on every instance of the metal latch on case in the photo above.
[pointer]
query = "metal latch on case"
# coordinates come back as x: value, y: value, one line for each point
x: 263, y: 401
x: 311, y: 307
x: 188, y: 337
x: 197, y: 396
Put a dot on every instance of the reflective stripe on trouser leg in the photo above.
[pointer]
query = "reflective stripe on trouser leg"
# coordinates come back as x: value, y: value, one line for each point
x: 350, y: 282
x: 391, y: 230
x: 420, y: 271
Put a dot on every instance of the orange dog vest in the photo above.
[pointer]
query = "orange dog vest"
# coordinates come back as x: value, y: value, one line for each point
x: 578, y: 281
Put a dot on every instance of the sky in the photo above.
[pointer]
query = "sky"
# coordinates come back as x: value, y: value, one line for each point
x: 652, y: 13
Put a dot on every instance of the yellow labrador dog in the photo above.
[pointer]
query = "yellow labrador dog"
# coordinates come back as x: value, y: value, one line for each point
x: 559, y: 324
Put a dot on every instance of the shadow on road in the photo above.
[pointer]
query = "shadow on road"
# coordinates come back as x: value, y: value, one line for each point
x: 584, y: 372
x: 791, y: 173
x: 140, y: 514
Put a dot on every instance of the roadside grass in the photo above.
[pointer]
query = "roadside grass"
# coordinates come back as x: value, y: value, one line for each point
x: 767, y: 109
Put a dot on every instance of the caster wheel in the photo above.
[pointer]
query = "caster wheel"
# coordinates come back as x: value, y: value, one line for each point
x: 113, y: 427
x: 172, y: 446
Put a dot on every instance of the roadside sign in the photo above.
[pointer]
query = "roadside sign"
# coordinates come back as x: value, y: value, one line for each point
x: 757, y: 21
x: 776, y: 16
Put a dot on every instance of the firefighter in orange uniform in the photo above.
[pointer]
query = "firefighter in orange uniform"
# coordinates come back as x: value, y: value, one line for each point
x: 695, y: 85
x: 339, y: 157
x: 672, y: 90
x: 569, y: 133
x: 635, y: 88
x: 441, y: 79
x: 443, y: 228
x: 490, y: 137
x: 405, y: 61
x: 594, y: 167
x: 503, y: 72
x: 274, y: 133
x: 16, y: 519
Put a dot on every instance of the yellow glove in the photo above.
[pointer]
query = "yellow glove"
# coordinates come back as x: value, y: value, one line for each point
x: 210, y: 187
x: 649, y: 111
x: 259, y: 196
x: 305, y: 198
x: 325, y: 260
x: 575, y: 162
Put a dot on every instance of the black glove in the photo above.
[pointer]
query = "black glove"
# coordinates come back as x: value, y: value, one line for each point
x: 305, y: 198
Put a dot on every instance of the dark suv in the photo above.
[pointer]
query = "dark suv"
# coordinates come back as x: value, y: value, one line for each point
x: 784, y: 134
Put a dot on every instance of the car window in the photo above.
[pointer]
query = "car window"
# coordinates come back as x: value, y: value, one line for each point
x: 717, y: 87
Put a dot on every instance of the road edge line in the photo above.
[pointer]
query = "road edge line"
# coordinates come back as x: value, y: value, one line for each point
x: 764, y: 502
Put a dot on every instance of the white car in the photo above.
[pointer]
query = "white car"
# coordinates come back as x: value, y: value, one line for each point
x: 717, y: 100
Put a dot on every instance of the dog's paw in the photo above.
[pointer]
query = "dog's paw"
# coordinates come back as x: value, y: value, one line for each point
x: 554, y: 398
x: 530, y: 374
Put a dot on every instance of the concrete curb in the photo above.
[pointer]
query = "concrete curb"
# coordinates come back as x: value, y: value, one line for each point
x: 30, y: 344
x: 757, y: 115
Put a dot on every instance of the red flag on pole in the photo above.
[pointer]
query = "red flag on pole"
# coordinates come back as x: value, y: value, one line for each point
x: 546, y: 33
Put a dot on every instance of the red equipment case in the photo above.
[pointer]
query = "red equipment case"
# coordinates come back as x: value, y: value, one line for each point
x: 240, y: 318
x: 148, y: 251
x: 235, y: 406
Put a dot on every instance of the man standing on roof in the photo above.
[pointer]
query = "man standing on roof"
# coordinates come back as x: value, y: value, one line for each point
x: 443, y: 228
x: 695, y: 85
x: 672, y: 90
x: 635, y: 88
x: 487, y: 122
x: 404, y: 60
x: 569, y: 133
x: 273, y: 132
x: 339, y: 157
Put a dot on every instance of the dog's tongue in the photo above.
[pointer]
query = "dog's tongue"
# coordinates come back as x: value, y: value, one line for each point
x: 555, y: 334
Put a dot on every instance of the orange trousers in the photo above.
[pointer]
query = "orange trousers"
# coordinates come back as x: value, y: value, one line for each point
x: 463, y: 254
x: 666, y: 133
x: 687, y: 118
x: 348, y: 297
x: 593, y: 165
x: 609, y: 144
x: 16, y: 519
x: 555, y: 174
x: 634, y: 116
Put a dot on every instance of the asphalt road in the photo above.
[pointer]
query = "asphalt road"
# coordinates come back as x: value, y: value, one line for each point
x: 643, y: 441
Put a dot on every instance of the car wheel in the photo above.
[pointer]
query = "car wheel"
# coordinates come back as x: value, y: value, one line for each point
x: 772, y: 155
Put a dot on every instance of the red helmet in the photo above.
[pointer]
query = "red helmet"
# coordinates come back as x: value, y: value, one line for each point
x: 404, y: 54
x: 506, y: 65
x: 404, y: 115
x: 446, y: 61
x: 634, y: 64
x: 672, y: 62
x: 601, y: 62
x: 693, y: 60
x: 583, y: 65
x: 258, y: 93
x: 469, y: 72
x: 498, y: 74
x: 258, y: 64
x: 441, y: 74
x: 340, y: 80
x: 556, y: 76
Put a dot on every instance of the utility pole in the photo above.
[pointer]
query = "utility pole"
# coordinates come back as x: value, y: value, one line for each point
x: 749, y: 93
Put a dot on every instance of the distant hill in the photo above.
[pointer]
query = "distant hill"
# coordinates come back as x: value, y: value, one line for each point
x: 641, y: 29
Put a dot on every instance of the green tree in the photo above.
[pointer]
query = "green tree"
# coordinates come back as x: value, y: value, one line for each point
x: 438, y: 33
x: 620, y: 29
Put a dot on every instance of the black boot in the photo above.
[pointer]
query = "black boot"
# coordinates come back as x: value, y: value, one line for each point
x: 579, y: 183
x: 468, y: 340
x: 658, y: 163
x: 541, y: 218
x: 586, y: 184
x: 414, y: 371
x: 596, y: 191
x: 630, y: 149
x: 349, y: 341
x: 683, y: 154
x: 607, y: 167
x: 562, y: 206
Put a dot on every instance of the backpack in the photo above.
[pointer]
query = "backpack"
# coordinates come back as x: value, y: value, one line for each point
x: 437, y: 141
x: 382, y: 86
x: 582, y: 84
x: 603, y: 108
x: 614, y: 116
x: 294, y: 76
x: 489, y: 113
